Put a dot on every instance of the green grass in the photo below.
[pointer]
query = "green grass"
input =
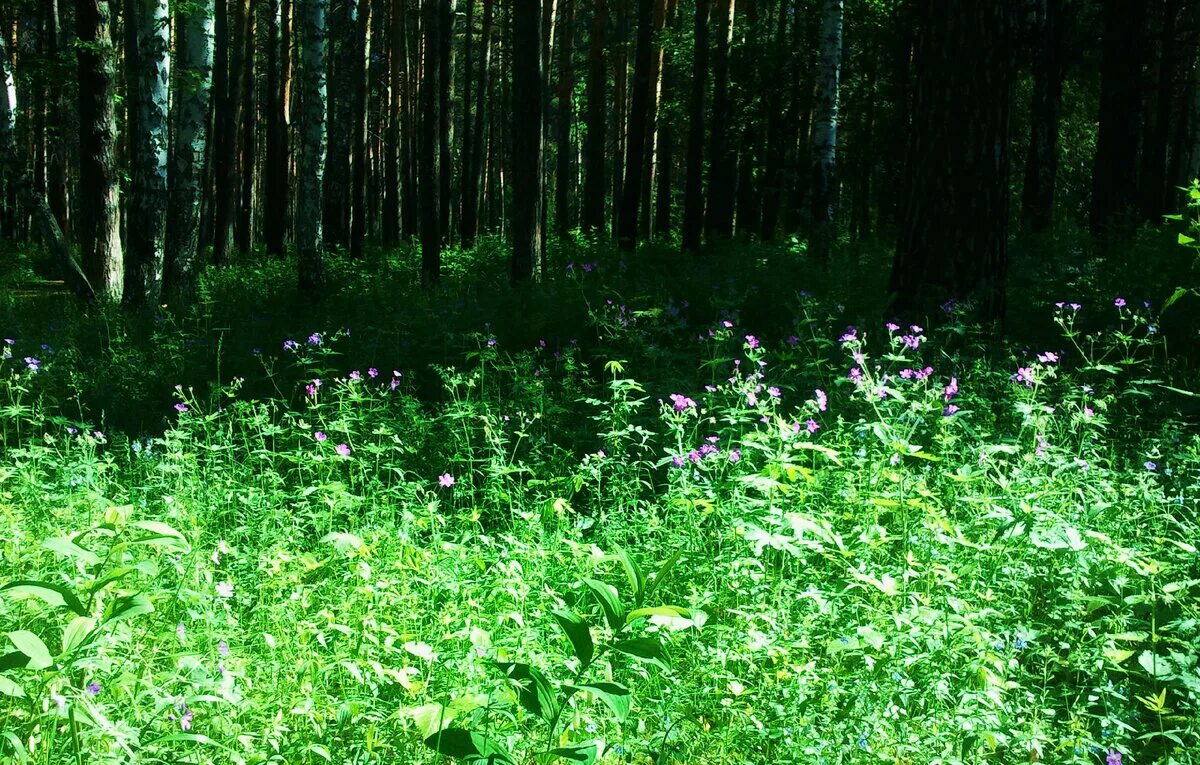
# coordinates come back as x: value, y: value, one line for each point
x: 738, y: 574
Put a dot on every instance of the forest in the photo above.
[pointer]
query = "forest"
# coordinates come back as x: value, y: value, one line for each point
x: 496, y: 382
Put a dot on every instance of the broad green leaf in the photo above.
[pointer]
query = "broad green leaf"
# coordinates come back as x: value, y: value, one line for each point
x: 644, y: 649
x: 467, y: 745
x: 9, y: 688
x: 584, y: 753
x: 32, y: 646
x: 664, y: 572
x: 13, y: 660
x: 671, y: 611
x: 579, y: 633
x: 66, y: 546
x: 534, y: 690
x: 609, y: 601
x: 1155, y: 666
x: 430, y: 718
x: 77, y: 632
x: 127, y: 607
x: 613, y: 695
x: 53, y: 594
x: 637, y: 581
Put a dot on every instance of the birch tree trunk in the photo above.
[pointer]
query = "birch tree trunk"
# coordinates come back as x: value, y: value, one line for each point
x: 147, y: 206
x: 310, y: 159
x: 825, y: 130
x: 192, y: 77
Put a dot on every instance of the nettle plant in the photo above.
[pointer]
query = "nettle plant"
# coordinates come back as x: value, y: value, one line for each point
x: 471, y: 727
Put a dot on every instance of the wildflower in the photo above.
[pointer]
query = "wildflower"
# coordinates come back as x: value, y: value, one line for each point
x: 372, y: 373
x: 892, y: 326
x: 951, y: 390
x: 751, y: 399
x: 1150, y: 466
x: 681, y: 403
x: 949, y: 410
x: 1020, y: 644
x: 355, y: 375
x: 822, y: 400
x: 32, y: 363
x: 774, y: 392
x: 856, y: 374
x: 1042, y: 444
x: 342, y: 449
x: 445, y: 480
x: 225, y: 589
x: 185, y: 719
x: 181, y: 407
x: 812, y: 426
x: 793, y: 340
x: 1119, y: 302
x: 320, y: 436
x: 589, y: 267
x: 291, y: 345
x: 570, y: 266
x: 735, y: 455
x: 1088, y: 411
x: 1113, y: 758
x: 223, y: 648
x: 727, y: 324
x: 850, y: 336
x: 677, y: 461
x: 314, y: 338
x: 911, y: 341
x: 752, y: 341
x: 600, y: 454
x: 93, y: 688
x: 181, y: 632
x: 1049, y: 357
x: 1074, y: 306
x: 921, y: 374
x: 1025, y: 375
x: 694, y: 456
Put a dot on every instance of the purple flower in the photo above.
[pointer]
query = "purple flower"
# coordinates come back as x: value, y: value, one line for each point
x: 892, y: 326
x: 1119, y: 302
x: 342, y: 449
x: 355, y: 375
x: 850, y: 336
x: 1049, y: 357
x: 793, y: 340
x: 290, y: 345
x: 949, y: 410
x: 320, y: 436
x: 1088, y: 411
x: 911, y: 341
x: 589, y: 267
x: 571, y: 266
x: 1113, y: 758
x: 1150, y: 466
x: 752, y: 341
x: 774, y: 392
x: 372, y: 373
x: 445, y: 480
x: 33, y: 364
x: 314, y: 338
x: 678, y: 461
x: 181, y: 632
x: 951, y: 390
x: 185, y: 719
x: 735, y: 455
x: 181, y: 407
x: 856, y: 374
x: 223, y: 648
x: 93, y: 688
x: 822, y: 400
x: 1025, y: 375
x: 921, y: 374
x: 681, y: 403
x: 812, y: 426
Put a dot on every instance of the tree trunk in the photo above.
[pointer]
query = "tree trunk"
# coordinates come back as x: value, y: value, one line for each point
x: 693, y: 192
x: 528, y: 101
x: 391, y: 144
x: 147, y: 204
x: 469, y: 219
x: 775, y: 154
x: 193, y: 85
x: 825, y: 129
x: 953, y: 242
x: 248, y: 142
x: 275, y: 181
x: 358, y: 136
x: 1041, y: 163
x: 1114, y: 180
x: 635, y: 146
x: 564, y: 174
x: 445, y: 115
x: 594, y: 182
x: 430, y: 178
x: 722, y: 157
x: 99, y: 213
x: 310, y: 159
x: 57, y: 109
x: 620, y: 62
x: 226, y: 121
x: 1153, y: 175
x: 664, y: 151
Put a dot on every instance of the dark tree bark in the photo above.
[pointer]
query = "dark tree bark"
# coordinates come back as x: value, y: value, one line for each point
x: 341, y: 68
x: 147, y: 99
x: 528, y: 101
x: 226, y: 121
x: 310, y: 152
x: 275, y: 180
x: 664, y: 151
x: 1153, y: 174
x: 445, y: 115
x: 248, y: 140
x: 468, y: 132
x: 775, y: 155
x: 57, y: 108
x: 397, y: 71
x: 693, y: 193
x: 722, y: 157
x: 429, y: 180
x: 192, y: 78
x: 953, y: 241
x: 1041, y: 162
x: 469, y: 220
x: 620, y: 63
x: 564, y: 173
x: 825, y: 131
x: 1114, y: 180
x: 358, y: 135
x: 594, y: 181
x: 99, y: 214
x: 635, y: 148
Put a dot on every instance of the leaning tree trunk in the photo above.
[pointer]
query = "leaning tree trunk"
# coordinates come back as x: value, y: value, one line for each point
x: 594, y: 182
x: 99, y: 212
x: 635, y: 147
x: 310, y: 159
x: 1114, y: 180
x: 193, y: 84
x: 693, y: 191
x: 147, y: 204
x: 427, y: 163
x: 1041, y: 162
x: 527, y: 86
x: 825, y: 129
x: 722, y: 171
x: 953, y: 238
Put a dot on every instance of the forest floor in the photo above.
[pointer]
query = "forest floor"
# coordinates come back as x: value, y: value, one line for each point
x: 717, y: 511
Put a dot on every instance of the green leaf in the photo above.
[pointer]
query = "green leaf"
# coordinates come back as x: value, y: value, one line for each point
x: 127, y: 607
x: 584, y: 753
x: 66, y: 546
x: 53, y: 594
x: 9, y: 688
x: 670, y: 611
x: 1184, y: 239
x: 644, y: 649
x: 161, y: 535
x: 13, y: 660
x: 579, y: 633
x: 535, y: 691
x: 1178, y: 293
x: 32, y: 646
x: 613, y: 695
x: 77, y: 633
x: 467, y: 745
x: 431, y: 718
x: 637, y: 580
x: 610, y: 603
x: 664, y: 572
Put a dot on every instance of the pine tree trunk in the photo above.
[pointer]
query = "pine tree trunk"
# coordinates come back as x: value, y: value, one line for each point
x: 825, y: 129
x: 664, y: 151
x: 722, y: 157
x: 953, y: 241
x: 310, y: 153
x: 275, y: 180
x: 466, y: 151
x: 99, y: 214
x: 693, y: 193
x: 595, y: 141
x: 192, y: 77
x: 226, y: 121
x: 635, y: 147
x: 147, y: 204
x: 445, y: 115
x: 528, y: 101
x: 775, y: 155
x: 620, y: 62
x: 1114, y: 180
x: 469, y: 221
x: 391, y: 138
x: 564, y: 174
x: 430, y: 179
x: 248, y: 141
x: 1153, y: 174
x: 358, y: 114
x: 1041, y: 162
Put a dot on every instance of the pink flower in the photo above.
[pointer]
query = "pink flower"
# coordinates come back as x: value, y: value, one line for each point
x: 445, y: 480
x: 812, y: 426
x: 681, y: 403
x: 342, y: 449
x: 822, y: 400
x: 320, y: 436
x: 752, y: 341
x: 181, y: 407
x: 225, y: 589
x: 372, y: 373
x: 735, y: 455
